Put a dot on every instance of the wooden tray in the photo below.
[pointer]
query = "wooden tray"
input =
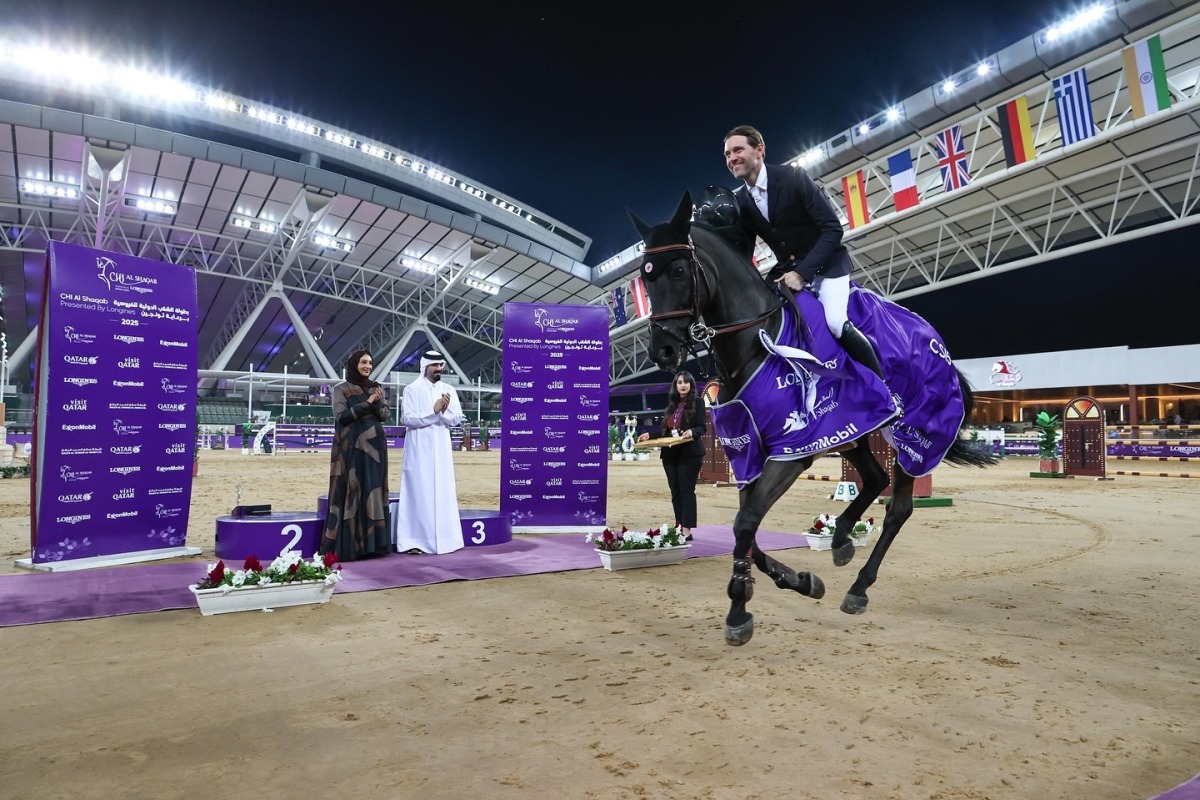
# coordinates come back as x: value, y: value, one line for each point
x: 666, y: 441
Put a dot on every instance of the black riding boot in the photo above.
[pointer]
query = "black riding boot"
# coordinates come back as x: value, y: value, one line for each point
x: 860, y: 348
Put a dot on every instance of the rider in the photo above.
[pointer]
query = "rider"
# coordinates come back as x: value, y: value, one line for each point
x: 785, y: 208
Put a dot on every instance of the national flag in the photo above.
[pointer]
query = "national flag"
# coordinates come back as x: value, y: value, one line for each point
x: 1074, y: 107
x: 641, y: 302
x: 856, y: 200
x: 904, y: 180
x: 1146, y: 76
x: 616, y: 299
x: 1015, y: 131
x: 952, y: 159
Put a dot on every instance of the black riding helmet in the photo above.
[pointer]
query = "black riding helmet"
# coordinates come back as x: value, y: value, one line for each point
x: 717, y: 207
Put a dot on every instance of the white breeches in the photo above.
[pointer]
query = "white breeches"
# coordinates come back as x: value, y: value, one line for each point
x: 834, y: 294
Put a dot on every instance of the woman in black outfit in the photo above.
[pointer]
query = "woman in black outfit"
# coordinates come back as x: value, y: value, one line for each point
x: 684, y: 418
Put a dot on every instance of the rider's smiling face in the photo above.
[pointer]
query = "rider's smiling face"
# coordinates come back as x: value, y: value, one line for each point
x: 743, y: 160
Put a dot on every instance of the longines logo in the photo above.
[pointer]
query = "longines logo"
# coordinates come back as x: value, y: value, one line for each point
x: 521, y: 399
x: 125, y: 470
x: 73, y: 428
x: 556, y: 367
x: 80, y: 381
x: 129, y: 363
x: 75, y: 337
x: 129, y: 384
x: 75, y: 405
x: 737, y: 443
x: 123, y: 494
x: 82, y: 497
x: 74, y: 518
x: 125, y: 450
x: 82, y: 360
x: 554, y: 465
x: 590, y: 432
x: 172, y: 426
x: 520, y: 496
x: 129, y: 339
x: 122, y: 429
x: 110, y: 275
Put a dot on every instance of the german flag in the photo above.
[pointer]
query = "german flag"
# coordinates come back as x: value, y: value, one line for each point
x: 1015, y: 131
x: 856, y: 200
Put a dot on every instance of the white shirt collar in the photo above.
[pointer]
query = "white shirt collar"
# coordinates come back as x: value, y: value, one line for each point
x: 761, y: 183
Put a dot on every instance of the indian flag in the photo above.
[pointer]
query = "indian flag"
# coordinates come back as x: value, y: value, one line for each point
x: 1146, y: 76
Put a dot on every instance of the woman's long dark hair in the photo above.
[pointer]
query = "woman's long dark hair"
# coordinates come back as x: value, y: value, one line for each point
x: 691, y: 408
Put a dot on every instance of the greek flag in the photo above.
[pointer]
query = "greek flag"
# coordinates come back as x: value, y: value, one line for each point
x: 1074, y: 107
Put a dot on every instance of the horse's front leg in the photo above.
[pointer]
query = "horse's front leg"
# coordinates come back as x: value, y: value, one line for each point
x: 755, y: 500
x: 898, y: 512
x: 875, y: 480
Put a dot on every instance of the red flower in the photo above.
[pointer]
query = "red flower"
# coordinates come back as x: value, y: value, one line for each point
x: 652, y: 533
x: 607, y: 536
x: 818, y: 525
x: 293, y: 569
x: 624, y: 530
x: 330, y: 559
x: 252, y: 564
x: 218, y: 573
x: 870, y: 520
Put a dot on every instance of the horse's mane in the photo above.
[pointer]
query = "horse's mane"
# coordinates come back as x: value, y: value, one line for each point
x: 733, y: 241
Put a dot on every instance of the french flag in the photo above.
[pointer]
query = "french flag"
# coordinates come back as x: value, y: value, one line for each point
x: 904, y: 180
x: 641, y: 303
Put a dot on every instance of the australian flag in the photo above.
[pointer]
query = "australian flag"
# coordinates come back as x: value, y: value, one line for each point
x: 616, y: 299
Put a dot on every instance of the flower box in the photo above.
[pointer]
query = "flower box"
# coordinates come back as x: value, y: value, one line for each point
x: 613, y: 560
x: 225, y: 599
x: 819, y: 541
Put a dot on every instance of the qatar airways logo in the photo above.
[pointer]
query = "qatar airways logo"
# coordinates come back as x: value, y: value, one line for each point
x: 80, y: 381
x: 129, y: 339
x: 171, y: 406
x: 89, y: 361
x: 588, y: 417
x: 522, y: 384
x: 554, y: 449
x: 173, y: 388
x: 121, y: 429
x: 129, y: 363
x: 520, y: 481
x: 124, y: 494
x: 75, y: 337
x: 73, y: 475
x: 517, y: 466
x: 520, y: 369
x: 81, y: 497
x: 545, y: 322
x: 75, y: 405
x: 110, y: 275
x: 125, y: 450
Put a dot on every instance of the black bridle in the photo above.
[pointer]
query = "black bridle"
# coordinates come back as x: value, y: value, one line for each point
x: 698, y: 332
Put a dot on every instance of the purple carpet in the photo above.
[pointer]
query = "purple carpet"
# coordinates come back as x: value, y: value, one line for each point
x: 88, y: 594
x: 1184, y: 791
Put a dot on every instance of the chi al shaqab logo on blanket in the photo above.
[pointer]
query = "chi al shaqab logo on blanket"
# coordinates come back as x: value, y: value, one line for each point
x: 545, y: 322
x: 1005, y: 373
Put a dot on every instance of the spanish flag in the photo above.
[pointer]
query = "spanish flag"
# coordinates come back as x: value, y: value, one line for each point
x: 1015, y: 132
x: 856, y: 200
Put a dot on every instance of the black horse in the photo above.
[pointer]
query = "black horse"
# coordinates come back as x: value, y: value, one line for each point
x: 703, y: 291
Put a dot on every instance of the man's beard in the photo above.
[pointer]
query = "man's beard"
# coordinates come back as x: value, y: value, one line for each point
x: 435, y: 377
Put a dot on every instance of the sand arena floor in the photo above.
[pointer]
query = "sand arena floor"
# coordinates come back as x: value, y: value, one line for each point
x: 1038, y: 639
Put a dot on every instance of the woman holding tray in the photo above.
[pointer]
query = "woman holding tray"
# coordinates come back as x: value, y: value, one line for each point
x: 683, y: 419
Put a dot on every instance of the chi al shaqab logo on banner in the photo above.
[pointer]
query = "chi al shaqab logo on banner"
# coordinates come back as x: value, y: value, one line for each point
x: 110, y: 274
x: 1005, y: 373
x: 545, y: 322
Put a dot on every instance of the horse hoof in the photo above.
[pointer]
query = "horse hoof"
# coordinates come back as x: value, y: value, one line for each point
x: 843, y: 555
x: 853, y: 604
x: 736, y: 636
x: 816, y: 586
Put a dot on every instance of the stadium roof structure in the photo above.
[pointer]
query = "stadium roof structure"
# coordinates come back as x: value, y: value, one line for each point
x: 1135, y: 173
x: 308, y: 240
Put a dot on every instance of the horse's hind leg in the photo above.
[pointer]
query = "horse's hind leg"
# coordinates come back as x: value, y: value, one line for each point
x: 875, y: 480
x: 898, y: 512
x: 756, y: 500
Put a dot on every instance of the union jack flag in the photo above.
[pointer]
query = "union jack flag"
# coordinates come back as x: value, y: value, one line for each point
x: 952, y: 159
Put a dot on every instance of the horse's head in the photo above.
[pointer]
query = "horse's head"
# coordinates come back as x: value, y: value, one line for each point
x: 671, y: 273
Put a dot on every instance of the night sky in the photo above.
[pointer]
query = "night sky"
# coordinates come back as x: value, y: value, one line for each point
x: 581, y: 109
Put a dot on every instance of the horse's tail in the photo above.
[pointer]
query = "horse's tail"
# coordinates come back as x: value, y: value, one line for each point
x: 962, y: 452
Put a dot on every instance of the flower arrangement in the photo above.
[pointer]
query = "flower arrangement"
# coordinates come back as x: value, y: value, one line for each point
x: 824, y: 525
x: 288, y: 567
x: 653, y: 539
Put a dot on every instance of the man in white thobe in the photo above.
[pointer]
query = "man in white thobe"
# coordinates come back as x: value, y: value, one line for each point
x: 427, y: 518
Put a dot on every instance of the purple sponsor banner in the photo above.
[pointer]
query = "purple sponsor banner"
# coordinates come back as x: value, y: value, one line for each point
x: 553, y: 470
x: 1155, y: 450
x: 115, y: 426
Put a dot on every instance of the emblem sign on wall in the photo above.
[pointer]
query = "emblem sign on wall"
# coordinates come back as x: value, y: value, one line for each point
x: 115, y: 398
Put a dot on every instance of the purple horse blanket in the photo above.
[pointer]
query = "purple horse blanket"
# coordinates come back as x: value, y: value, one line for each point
x: 809, y: 396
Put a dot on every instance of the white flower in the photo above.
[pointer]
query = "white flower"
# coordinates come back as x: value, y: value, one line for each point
x: 588, y: 538
x: 239, y: 578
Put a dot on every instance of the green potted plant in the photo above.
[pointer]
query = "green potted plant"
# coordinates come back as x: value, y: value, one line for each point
x: 246, y: 431
x: 1048, y: 424
x: 484, y: 434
